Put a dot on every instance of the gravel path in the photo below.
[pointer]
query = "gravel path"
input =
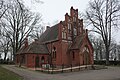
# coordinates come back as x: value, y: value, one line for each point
x: 112, y: 73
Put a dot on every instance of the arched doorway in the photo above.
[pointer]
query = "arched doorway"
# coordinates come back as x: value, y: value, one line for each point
x: 86, y: 56
x: 37, y: 61
x: 42, y: 59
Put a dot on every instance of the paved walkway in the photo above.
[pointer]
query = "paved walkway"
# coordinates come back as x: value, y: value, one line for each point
x: 64, y: 69
x: 112, y: 73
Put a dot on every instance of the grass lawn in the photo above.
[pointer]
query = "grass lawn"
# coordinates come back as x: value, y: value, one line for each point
x: 8, y: 75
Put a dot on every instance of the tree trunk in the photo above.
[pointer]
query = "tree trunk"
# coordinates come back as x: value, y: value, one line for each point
x: 14, y: 52
x: 107, y: 56
x: 96, y: 57
x: 0, y: 55
x: 5, y: 56
x: 101, y: 57
x: 5, y: 52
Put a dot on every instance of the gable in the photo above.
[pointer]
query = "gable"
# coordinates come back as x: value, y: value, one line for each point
x: 86, y: 43
x: 80, y: 41
x: 37, y: 48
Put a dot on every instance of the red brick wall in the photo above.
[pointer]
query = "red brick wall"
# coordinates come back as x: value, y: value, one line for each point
x: 63, y: 55
x: 30, y: 59
x: 84, y: 43
x: 56, y: 44
x: 62, y: 45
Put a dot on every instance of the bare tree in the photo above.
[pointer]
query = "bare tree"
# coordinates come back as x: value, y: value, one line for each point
x: 18, y: 22
x: 3, y: 8
x: 0, y: 55
x: 38, y: 29
x: 98, y: 46
x: 4, y: 42
x: 36, y: 33
x: 104, y: 16
x: 37, y: 1
x: 4, y: 45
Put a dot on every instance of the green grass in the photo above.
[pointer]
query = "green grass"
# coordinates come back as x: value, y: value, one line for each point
x: 8, y: 75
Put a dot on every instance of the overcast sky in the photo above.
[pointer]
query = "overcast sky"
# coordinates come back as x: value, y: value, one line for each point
x: 54, y: 10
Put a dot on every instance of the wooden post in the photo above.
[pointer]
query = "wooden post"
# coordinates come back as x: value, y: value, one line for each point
x: 48, y: 68
x: 52, y: 68
x: 71, y: 67
x: 62, y: 67
x: 79, y: 66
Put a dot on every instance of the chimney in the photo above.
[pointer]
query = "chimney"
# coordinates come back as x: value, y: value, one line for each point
x: 86, y: 31
x: 26, y: 42
x: 47, y: 27
x: 60, y: 22
x: 60, y: 30
x: 35, y: 40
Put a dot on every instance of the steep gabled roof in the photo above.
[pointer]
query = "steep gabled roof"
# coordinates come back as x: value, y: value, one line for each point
x: 34, y: 48
x: 50, y: 34
x: 38, y: 47
x: 78, y: 42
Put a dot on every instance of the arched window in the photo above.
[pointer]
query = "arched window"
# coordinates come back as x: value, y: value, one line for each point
x: 69, y: 28
x: 64, y: 35
x: 85, y: 49
x: 73, y: 55
x: 54, y: 53
x: 37, y: 59
x: 33, y: 59
x: 23, y: 59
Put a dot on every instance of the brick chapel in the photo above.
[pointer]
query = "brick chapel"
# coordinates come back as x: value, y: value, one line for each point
x: 64, y: 43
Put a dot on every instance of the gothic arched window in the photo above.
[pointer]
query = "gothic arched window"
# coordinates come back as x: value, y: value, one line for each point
x: 54, y: 53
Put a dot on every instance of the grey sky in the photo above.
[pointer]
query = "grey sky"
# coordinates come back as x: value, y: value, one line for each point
x: 53, y: 10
